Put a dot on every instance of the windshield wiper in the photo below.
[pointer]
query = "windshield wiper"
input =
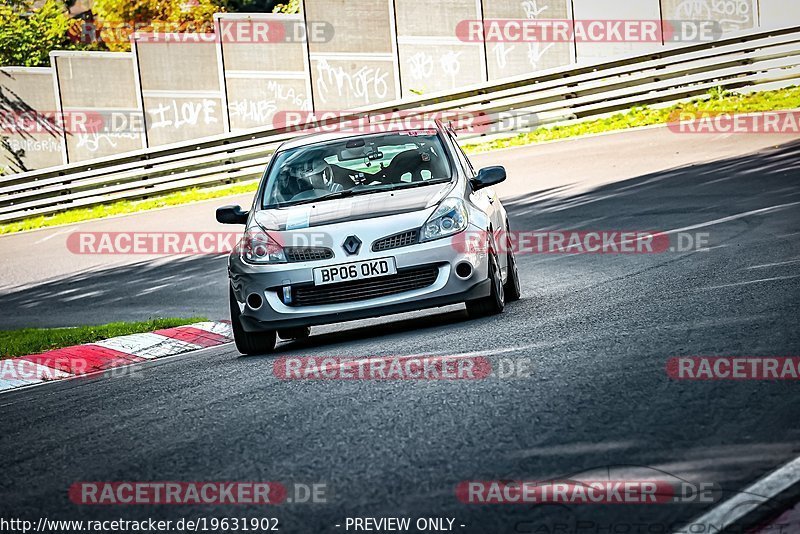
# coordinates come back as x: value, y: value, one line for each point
x: 409, y: 185
x: 330, y: 196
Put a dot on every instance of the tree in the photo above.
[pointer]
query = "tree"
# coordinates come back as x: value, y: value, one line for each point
x: 118, y: 19
x: 292, y: 6
x: 28, y: 34
x: 252, y: 6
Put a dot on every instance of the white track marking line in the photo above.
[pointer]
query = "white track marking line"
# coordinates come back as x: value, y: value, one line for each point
x: 735, y: 508
x: 51, y: 236
x: 777, y: 264
x: 751, y: 282
x: 732, y: 218
x: 11, y: 383
x: 700, y: 225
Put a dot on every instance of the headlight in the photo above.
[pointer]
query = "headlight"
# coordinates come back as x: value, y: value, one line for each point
x: 449, y: 218
x: 258, y: 247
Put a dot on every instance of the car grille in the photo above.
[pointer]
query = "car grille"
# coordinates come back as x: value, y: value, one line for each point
x: 298, y: 254
x: 403, y: 239
x: 406, y: 280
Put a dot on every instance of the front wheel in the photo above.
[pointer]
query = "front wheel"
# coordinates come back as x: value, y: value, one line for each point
x: 249, y: 343
x: 496, y: 301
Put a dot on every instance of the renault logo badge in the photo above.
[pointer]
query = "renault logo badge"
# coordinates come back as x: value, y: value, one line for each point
x: 351, y: 245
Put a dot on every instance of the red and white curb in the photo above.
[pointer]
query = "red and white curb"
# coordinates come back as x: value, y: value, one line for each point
x: 110, y: 353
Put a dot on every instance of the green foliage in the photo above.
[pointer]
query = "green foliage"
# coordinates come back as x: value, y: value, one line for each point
x: 27, y: 35
x: 293, y: 6
x: 118, y: 19
x: 721, y: 101
x: 718, y: 93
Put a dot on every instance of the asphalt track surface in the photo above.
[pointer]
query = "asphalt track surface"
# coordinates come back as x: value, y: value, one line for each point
x: 598, y: 330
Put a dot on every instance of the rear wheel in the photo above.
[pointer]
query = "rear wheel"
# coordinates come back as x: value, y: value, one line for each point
x: 249, y: 343
x: 512, y: 287
x: 495, y: 302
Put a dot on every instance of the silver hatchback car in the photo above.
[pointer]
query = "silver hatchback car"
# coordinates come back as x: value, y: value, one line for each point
x: 348, y: 226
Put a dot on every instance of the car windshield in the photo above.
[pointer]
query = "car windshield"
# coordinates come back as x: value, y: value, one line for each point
x: 355, y: 165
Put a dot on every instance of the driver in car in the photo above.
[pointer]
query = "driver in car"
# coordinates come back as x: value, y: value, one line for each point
x: 299, y: 180
x: 319, y: 175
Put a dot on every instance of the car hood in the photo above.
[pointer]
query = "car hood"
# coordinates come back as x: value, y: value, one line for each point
x: 352, y: 208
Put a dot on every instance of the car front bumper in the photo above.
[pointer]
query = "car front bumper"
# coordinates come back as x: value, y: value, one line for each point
x: 268, y: 282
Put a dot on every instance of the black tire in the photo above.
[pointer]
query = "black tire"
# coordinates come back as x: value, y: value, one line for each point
x: 249, y: 343
x: 301, y: 332
x: 512, y: 287
x: 495, y: 302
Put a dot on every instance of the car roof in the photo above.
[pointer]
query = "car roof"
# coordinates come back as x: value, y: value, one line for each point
x: 310, y: 139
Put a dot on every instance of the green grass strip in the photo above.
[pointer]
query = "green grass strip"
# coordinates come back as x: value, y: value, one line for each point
x: 35, y: 340
x: 718, y: 101
x: 123, y: 207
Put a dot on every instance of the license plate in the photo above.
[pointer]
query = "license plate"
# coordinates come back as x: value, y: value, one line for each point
x: 354, y: 271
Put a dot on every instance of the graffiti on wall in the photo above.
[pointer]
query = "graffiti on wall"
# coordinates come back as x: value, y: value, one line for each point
x: 254, y: 112
x: 364, y: 85
x: 733, y: 15
x: 176, y: 114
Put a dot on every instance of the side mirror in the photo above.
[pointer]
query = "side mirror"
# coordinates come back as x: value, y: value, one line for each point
x: 231, y: 215
x: 488, y: 176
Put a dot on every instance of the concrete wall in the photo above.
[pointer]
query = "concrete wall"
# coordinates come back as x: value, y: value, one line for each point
x: 778, y: 13
x: 262, y: 77
x: 376, y: 51
x: 29, y: 93
x: 358, y: 66
x: 83, y: 80
x: 733, y: 15
x: 432, y: 57
x: 513, y: 59
x: 614, y: 10
x: 180, y: 88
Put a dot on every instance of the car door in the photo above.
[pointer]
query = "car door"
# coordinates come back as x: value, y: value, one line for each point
x: 485, y: 199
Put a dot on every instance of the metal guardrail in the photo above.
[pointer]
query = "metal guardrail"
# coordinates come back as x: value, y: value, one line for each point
x: 573, y: 92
